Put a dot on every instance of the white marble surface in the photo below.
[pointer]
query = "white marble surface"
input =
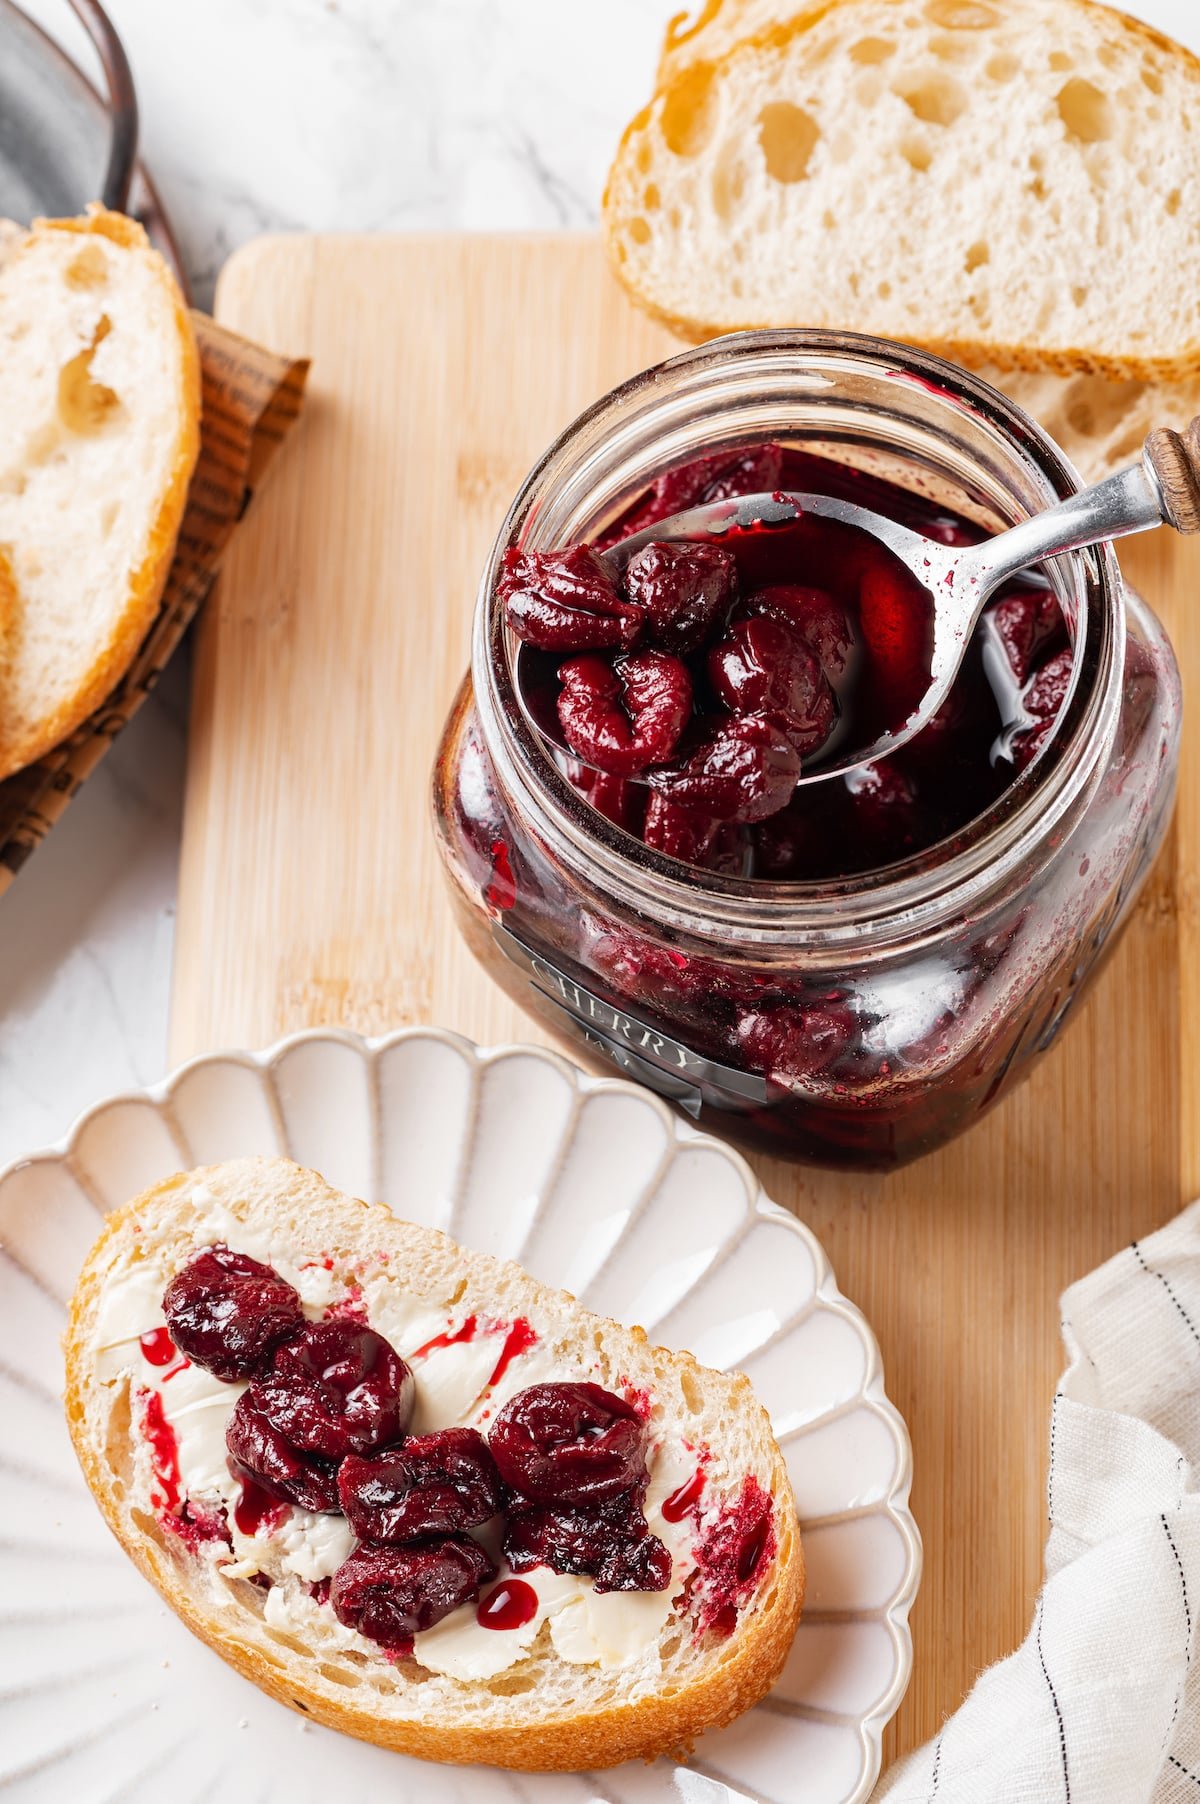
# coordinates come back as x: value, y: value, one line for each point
x: 281, y: 115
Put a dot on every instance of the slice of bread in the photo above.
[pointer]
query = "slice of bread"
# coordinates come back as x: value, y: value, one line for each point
x: 99, y: 433
x: 1005, y: 183
x: 543, y: 1710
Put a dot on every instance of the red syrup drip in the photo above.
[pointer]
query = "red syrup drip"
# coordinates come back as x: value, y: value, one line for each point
x: 448, y: 1339
x: 753, y: 1551
x: 164, y: 1449
x: 518, y: 1340
x: 158, y: 1349
x: 511, y: 1604
x: 683, y: 1501
x: 256, y: 1509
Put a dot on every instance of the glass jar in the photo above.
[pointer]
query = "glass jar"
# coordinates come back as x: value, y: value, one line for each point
x: 901, y: 1003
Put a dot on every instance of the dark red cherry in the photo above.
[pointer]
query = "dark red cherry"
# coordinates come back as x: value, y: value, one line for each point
x: 762, y: 666
x: 616, y: 798
x: 757, y: 471
x: 435, y: 1484
x: 1043, y: 698
x: 566, y: 601
x: 1027, y: 622
x: 896, y: 618
x: 336, y: 1388
x: 820, y: 621
x: 260, y: 1455
x: 887, y: 810
x: 745, y: 771
x: 694, y: 838
x: 794, y: 1042
x: 624, y: 716
x: 610, y: 1542
x: 1047, y: 692
x: 390, y: 1594
x: 227, y: 1312
x: 719, y: 476
x: 573, y: 1443
x: 684, y: 590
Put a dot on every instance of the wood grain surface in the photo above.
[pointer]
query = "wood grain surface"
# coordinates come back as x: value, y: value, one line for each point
x: 311, y: 894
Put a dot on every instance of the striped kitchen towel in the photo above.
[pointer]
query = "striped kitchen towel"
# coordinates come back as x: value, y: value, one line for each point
x: 1101, y: 1703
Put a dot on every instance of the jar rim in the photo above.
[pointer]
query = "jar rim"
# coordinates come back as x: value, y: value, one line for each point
x: 947, y: 878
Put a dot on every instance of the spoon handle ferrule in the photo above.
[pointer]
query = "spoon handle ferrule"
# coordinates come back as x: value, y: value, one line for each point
x: 1173, y: 459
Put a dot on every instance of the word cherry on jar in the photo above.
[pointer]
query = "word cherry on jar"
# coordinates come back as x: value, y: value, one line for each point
x: 849, y: 971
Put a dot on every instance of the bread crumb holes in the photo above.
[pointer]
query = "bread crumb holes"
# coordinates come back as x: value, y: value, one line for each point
x: 1004, y: 66
x: 788, y: 136
x: 1086, y: 111
x: 689, y: 111
x: 88, y: 269
x: 934, y: 99
x: 916, y: 152
x: 870, y: 51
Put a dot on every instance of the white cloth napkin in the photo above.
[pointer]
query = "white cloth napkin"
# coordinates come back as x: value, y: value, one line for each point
x: 1101, y: 1703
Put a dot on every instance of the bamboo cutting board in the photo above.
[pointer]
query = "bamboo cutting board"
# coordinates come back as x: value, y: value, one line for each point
x: 310, y: 892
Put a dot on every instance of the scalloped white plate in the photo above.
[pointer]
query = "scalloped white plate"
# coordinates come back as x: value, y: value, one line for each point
x: 593, y: 1184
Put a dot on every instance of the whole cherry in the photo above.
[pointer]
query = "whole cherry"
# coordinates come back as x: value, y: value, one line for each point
x: 390, y: 1594
x: 228, y: 1312
x: 441, y: 1483
x: 576, y: 1443
x: 336, y: 1388
x: 624, y: 716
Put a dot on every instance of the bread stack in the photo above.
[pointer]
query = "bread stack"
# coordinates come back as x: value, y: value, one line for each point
x: 1010, y: 183
x: 99, y: 433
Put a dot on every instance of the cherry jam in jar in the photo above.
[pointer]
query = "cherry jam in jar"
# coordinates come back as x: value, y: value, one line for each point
x: 850, y: 971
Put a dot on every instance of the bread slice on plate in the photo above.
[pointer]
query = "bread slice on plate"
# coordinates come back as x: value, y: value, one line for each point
x: 657, y: 1600
x: 99, y: 433
x: 1003, y: 182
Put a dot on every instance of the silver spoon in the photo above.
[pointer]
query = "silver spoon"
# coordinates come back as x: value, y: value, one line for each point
x: 1162, y: 488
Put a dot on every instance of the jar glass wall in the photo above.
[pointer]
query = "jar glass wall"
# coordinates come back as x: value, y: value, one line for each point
x: 866, y: 1019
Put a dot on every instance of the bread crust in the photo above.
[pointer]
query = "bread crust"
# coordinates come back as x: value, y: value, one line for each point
x: 132, y: 620
x: 974, y: 352
x: 647, y: 1728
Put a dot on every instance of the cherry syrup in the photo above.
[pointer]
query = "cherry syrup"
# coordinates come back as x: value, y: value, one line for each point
x: 256, y: 1510
x: 510, y: 1605
x: 518, y: 1340
x: 164, y: 1450
x: 682, y: 1502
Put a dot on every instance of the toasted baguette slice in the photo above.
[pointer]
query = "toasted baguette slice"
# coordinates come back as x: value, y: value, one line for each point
x: 99, y: 432
x: 1004, y: 183
x: 542, y: 1711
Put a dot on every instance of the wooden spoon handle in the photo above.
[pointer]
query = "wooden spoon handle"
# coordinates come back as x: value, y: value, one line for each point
x: 1175, y: 459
